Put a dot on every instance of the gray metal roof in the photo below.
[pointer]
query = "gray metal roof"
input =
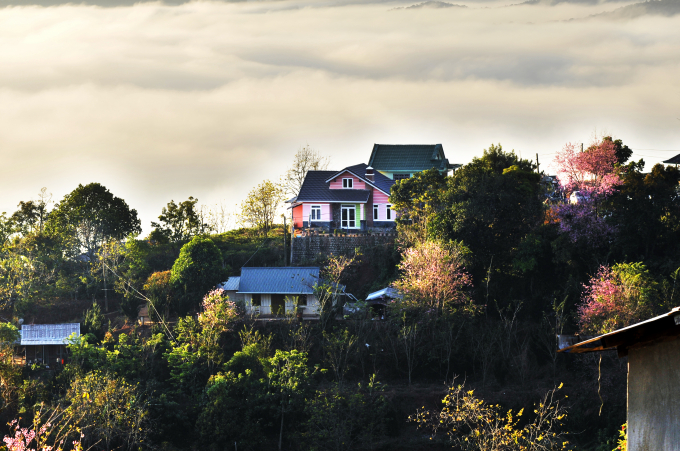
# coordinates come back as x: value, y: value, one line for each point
x: 409, y: 157
x: 232, y: 284
x: 48, y: 334
x: 282, y: 280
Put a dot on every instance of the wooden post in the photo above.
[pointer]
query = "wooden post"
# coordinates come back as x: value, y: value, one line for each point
x: 285, y: 229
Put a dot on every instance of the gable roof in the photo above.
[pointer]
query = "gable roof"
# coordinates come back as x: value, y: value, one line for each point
x: 281, y: 280
x: 409, y: 157
x: 382, y: 182
x: 48, y: 334
x: 316, y: 186
x: 674, y: 160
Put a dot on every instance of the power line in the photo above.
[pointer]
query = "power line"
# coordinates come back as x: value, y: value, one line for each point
x: 142, y: 297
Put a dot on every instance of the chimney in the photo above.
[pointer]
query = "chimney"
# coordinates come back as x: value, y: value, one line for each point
x: 369, y: 174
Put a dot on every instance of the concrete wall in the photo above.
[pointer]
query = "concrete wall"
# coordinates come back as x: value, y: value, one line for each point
x: 654, y: 397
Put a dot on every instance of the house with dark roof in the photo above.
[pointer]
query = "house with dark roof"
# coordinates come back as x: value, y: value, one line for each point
x: 278, y: 291
x: 401, y: 161
x: 355, y: 198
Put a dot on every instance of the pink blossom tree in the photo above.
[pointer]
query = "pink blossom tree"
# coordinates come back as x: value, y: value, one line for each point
x: 432, y: 275
x: 616, y: 297
x: 218, y: 316
x: 592, y: 172
x: 219, y: 313
x: 595, y: 175
x: 51, y: 431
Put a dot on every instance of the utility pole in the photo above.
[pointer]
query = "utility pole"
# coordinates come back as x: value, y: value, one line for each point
x: 106, y: 291
x: 285, y: 229
x: 581, y: 147
x: 538, y: 165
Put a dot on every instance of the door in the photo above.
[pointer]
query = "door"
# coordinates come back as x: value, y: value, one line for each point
x: 348, y: 216
x: 278, y: 305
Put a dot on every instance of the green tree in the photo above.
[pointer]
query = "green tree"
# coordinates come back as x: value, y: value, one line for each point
x: 179, y: 222
x: 235, y: 403
x: 646, y: 213
x: 92, y: 215
x: 111, y: 411
x: 197, y: 269
x: 346, y: 419
x: 289, y: 380
x: 261, y: 206
x: 419, y: 196
x: 490, y: 204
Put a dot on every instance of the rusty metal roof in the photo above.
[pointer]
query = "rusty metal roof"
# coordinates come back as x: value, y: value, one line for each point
x: 48, y: 334
x: 659, y: 328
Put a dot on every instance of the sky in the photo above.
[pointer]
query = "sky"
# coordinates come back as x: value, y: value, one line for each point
x: 161, y: 101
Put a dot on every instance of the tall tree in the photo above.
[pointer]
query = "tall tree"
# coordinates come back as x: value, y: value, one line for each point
x: 491, y: 204
x: 197, y: 269
x: 306, y: 159
x: 90, y: 214
x: 179, y: 222
x: 261, y: 206
x: 32, y: 215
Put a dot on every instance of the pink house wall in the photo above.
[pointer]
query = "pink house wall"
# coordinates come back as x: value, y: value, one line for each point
x: 326, y: 214
x: 337, y: 184
x: 380, y: 198
x: 382, y: 212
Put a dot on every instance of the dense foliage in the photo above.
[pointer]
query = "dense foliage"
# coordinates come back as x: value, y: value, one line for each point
x: 492, y: 263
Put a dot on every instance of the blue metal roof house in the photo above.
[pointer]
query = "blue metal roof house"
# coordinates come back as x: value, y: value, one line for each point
x: 277, y: 291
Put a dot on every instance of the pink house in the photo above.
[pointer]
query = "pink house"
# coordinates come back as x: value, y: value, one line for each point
x: 356, y: 197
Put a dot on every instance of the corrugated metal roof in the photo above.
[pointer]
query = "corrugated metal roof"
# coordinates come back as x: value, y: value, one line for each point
x: 386, y: 292
x: 232, y: 284
x: 283, y: 280
x: 48, y: 334
x: 659, y: 327
x: 409, y: 157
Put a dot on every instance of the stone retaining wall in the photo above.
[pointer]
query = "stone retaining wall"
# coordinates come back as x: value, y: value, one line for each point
x: 312, y: 249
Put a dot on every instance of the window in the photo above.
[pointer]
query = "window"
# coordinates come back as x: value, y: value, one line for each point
x: 388, y: 212
x: 348, y: 183
x: 302, y: 300
x: 257, y: 300
x: 375, y: 212
x: 316, y: 213
x: 398, y: 177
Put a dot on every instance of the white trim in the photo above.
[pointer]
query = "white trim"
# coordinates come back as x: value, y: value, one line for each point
x: 312, y: 210
x: 368, y: 182
x: 349, y: 184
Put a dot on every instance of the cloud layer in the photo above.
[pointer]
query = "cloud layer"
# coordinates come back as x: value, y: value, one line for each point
x: 207, y: 99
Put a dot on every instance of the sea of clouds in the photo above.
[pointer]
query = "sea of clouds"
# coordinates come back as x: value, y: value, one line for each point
x: 161, y: 101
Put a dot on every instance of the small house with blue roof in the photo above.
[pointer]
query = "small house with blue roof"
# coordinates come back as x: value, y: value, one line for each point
x: 355, y: 198
x: 272, y: 292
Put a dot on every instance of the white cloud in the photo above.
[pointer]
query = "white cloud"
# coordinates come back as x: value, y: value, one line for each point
x: 208, y: 99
